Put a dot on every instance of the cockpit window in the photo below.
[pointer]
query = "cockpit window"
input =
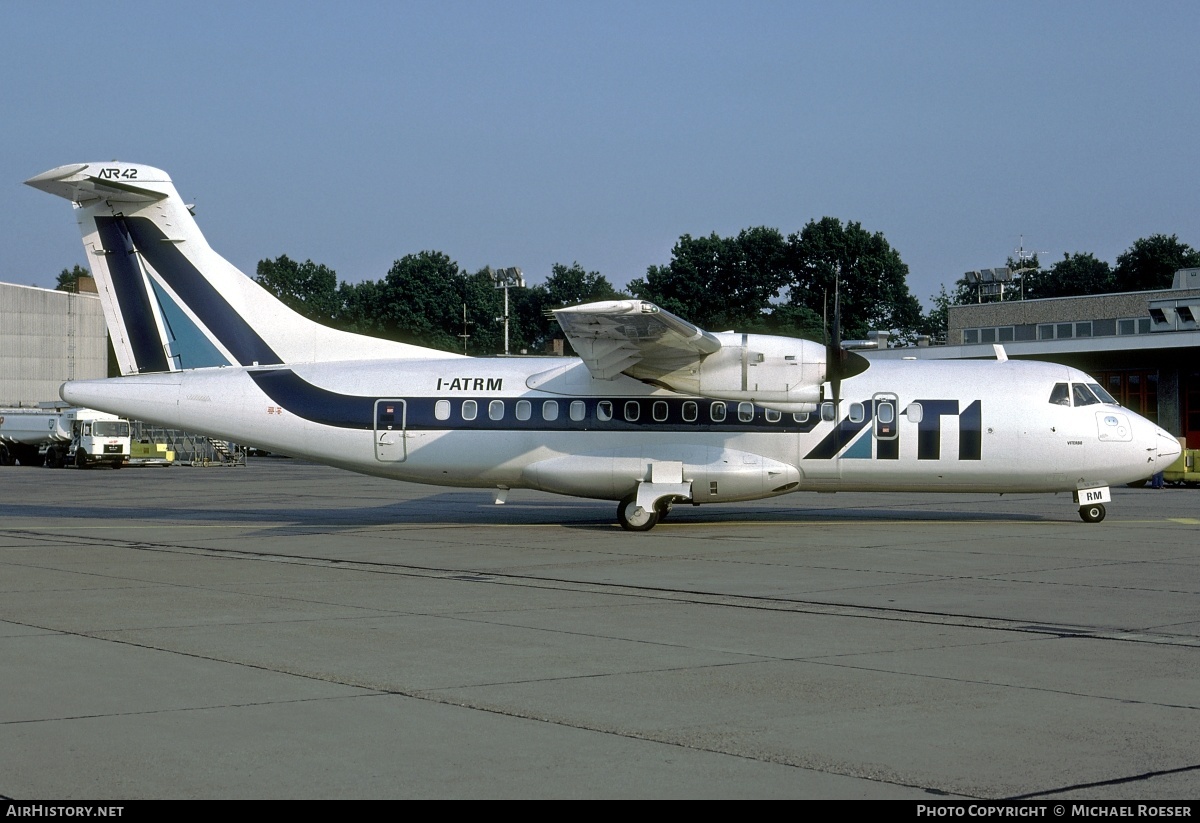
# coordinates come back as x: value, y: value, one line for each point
x: 1083, y: 395
x: 1104, y: 396
x: 1061, y: 396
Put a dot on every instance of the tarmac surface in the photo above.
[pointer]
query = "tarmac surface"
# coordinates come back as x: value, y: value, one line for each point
x: 285, y: 630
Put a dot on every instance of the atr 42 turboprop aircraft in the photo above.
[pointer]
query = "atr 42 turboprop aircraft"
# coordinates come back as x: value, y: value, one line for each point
x: 657, y: 411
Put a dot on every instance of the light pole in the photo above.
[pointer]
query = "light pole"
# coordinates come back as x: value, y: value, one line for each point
x: 502, y: 279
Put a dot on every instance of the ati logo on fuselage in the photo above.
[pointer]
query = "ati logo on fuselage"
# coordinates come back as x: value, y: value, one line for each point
x: 470, y: 384
x: 844, y: 440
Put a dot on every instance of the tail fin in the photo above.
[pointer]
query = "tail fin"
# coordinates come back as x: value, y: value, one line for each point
x: 173, y: 303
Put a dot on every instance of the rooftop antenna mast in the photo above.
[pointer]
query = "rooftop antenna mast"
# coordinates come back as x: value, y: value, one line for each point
x: 1023, y: 257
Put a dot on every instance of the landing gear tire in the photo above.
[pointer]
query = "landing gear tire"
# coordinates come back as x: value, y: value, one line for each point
x: 1093, y: 513
x: 633, y: 518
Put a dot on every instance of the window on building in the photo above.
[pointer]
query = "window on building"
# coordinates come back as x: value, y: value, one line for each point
x: 970, y: 336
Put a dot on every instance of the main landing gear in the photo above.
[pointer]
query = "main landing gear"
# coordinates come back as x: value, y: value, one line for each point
x: 634, y: 518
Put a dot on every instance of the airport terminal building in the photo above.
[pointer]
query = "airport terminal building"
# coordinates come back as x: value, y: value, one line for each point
x: 1144, y: 347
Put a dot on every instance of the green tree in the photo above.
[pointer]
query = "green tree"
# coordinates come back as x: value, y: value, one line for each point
x: 566, y: 286
x: 68, y: 279
x: 420, y: 301
x: 936, y: 323
x: 719, y: 283
x: 308, y: 288
x: 870, y: 278
x: 1151, y: 262
x: 1076, y: 274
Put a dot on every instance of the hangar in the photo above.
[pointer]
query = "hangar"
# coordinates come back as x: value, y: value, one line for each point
x: 46, y: 338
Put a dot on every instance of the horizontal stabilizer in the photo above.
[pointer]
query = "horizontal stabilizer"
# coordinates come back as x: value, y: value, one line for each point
x: 115, y: 182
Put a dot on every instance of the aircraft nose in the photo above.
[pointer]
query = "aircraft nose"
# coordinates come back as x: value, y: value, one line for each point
x: 1168, y: 450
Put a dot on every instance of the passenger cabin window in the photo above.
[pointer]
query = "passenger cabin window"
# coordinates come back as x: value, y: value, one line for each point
x: 524, y: 409
x: 604, y: 410
x: 1060, y: 395
x: 691, y: 410
x: 578, y: 410
x: 828, y: 412
x: 717, y: 412
x: 550, y: 410
x: 469, y: 409
x: 857, y: 413
x: 885, y: 412
x: 496, y: 410
x: 800, y: 417
x: 441, y: 410
x: 659, y: 410
x: 633, y: 410
x: 746, y: 412
x: 772, y: 416
x: 915, y: 412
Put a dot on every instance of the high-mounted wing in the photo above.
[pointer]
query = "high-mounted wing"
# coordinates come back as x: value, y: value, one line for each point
x: 637, y: 338
x: 618, y: 335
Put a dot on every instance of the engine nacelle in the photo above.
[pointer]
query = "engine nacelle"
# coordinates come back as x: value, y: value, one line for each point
x: 783, y: 373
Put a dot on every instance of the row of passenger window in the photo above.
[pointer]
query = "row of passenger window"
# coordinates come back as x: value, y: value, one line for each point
x: 630, y: 411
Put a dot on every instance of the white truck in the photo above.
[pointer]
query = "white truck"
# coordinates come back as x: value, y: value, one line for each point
x: 58, y: 436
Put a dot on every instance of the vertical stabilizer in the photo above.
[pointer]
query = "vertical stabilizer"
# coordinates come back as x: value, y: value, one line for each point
x: 170, y: 301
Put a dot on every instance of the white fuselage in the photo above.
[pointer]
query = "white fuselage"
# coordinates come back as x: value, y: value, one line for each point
x: 545, y: 423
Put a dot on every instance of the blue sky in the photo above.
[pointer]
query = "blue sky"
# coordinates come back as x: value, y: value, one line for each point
x: 529, y: 133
